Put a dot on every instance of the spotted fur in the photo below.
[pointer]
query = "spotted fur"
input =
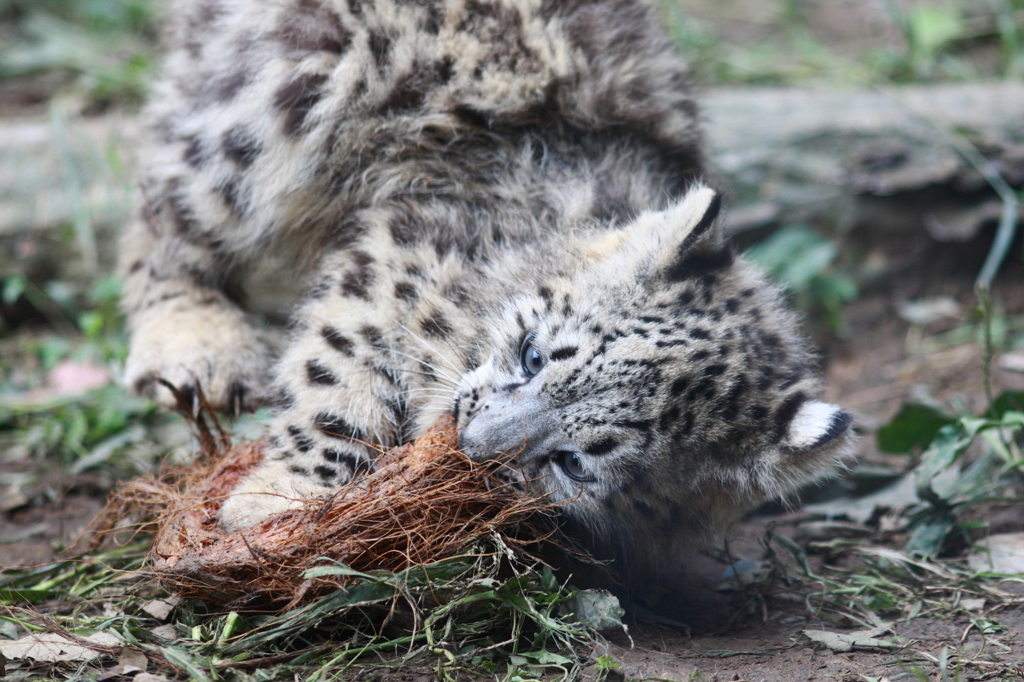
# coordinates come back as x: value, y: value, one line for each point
x: 496, y: 211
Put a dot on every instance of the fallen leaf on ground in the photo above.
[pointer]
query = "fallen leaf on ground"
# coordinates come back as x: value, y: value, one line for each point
x: 842, y: 642
x: 160, y: 609
x: 972, y: 604
x: 165, y: 632
x: 50, y: 647
x: 1002, y: 553
x: 130, y: 661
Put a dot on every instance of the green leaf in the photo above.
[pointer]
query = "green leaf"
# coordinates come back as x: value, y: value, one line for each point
x: 932, y: 26
x: 545, y: 657
x: 949, y: 443
x: 106, y: 290
x: 181, y: 659
x: 91, y: 324
x: 1007, y: 402
x: 14, y: 287
x: 914, y: 426
x: 928, y: 536
x: 810, y: 263
x: 13, y: 597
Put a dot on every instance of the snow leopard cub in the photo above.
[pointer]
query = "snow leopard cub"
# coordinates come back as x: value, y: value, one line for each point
x: 496, y: 208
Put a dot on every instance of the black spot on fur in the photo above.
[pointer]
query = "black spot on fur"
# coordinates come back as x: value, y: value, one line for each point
x: 380, y: 45
x: 548, y: 296
x: 785, y: 413
x: 705, y: 389
x: 732, y: 305
x: 297, y: 98
x: 791, y: 378
x: 334, y: 426
x: 325, y: 473
x: 229, y: 192
x: 240, y: 146
x: 679, y: 386
x: 296, y: 469
x: 302, y: 442
x: 406, y: 291
x: 136, y: 266
x: 601, y: 447
x: 404, y: 229
x: 732, y: 400
x: 321, y: 288
x: 312, y: 27
x: 411, y: 89
x: 193, y: 155
x: 668, y: 418
x: 434, y: 17
x: 225, y: 89
x: 338, y: 341
x: 436, y: 324
x: 470, y: 117
x: 319, y: 375
x: 185, y: 223
x: 372, y: 335
x: 714, y: 370
x: 757, y: 412
x: 643, y: 425
x: 456, y: 293
x: 564, y: 353
x: 358, y: 281
x: 282, y: 399
x: 355, y: 465
x: 346, y: 233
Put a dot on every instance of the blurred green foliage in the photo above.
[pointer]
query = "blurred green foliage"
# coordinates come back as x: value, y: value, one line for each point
x: 104, y: 47
x: 804, y: 261
x: 908, y: 42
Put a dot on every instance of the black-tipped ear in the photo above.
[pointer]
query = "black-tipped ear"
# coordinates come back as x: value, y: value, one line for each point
x: 815, y: 424
x: 705, y: 223
x: 690, y: 260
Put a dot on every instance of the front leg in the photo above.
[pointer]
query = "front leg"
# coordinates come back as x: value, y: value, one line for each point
x: 342, y: 396
x: 185, y: 329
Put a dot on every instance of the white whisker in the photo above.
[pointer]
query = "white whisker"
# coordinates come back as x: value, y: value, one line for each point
x: 431, y: 348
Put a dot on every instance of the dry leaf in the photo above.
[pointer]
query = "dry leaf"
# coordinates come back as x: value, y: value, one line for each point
x: 52, y: 648
x: 842, y: 642
x: 160, y: 609
x: 1002, y: 553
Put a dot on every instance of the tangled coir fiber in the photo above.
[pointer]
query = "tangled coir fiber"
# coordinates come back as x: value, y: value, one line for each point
x: 424, y: 502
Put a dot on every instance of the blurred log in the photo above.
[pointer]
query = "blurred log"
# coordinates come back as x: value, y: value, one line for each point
x: 879, y: 159
x: 874, y: 159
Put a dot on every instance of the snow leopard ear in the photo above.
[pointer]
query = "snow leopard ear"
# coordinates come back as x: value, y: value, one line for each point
x: 680, y: 242
x: 694, y: 245
x: 814, y: 424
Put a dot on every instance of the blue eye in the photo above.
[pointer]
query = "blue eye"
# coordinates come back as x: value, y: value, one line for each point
x: 530, y: 358
x: 572, y: 465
